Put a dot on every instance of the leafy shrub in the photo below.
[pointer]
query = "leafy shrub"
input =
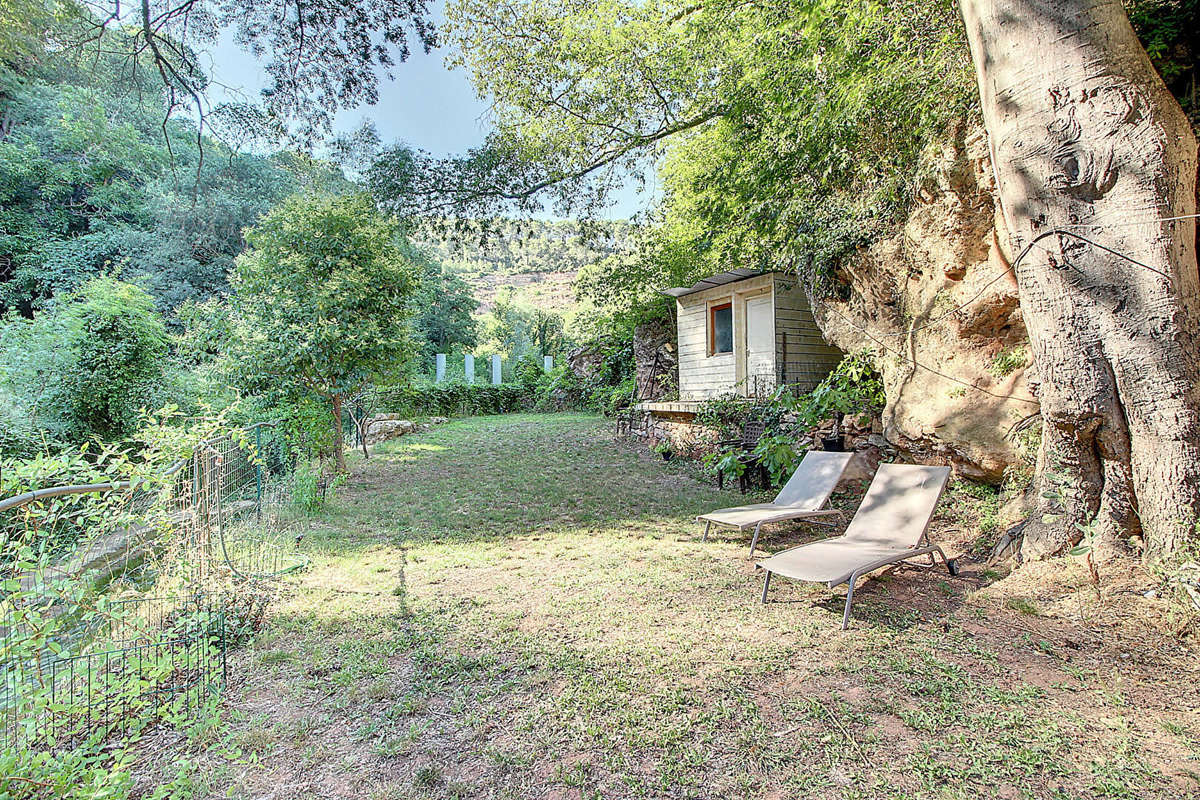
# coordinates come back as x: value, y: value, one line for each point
x: 455, y: 398
x: 609, y: 399
x: 118, y: 346
x: 86, y: 771
x: 778, y: 454
x: 85, y: 367
x: 726, y: 414
x: 49, y: 527
x: 854, y: 387
x: 528, y: 372
x: 310, y: 492
x: 307, y: 425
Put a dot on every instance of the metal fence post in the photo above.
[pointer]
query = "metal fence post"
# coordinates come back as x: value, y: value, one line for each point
x: 258, y: 473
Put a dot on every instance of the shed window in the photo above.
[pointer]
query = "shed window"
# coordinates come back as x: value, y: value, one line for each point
x: 720, y: 329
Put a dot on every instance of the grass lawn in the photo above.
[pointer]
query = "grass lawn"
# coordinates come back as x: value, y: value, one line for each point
x: 520, y: 607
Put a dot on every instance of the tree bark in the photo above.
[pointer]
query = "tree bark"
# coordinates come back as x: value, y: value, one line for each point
x: 1085, y: 137
x: 339, y: 450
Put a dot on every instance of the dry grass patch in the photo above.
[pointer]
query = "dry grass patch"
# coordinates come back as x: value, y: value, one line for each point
x: 520, y: 607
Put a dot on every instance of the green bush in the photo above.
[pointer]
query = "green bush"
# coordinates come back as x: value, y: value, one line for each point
x: 854, y: 387
x: 119, y: 346
x: 455, y: 398
x: 726, y: 414
x: 84, y: 368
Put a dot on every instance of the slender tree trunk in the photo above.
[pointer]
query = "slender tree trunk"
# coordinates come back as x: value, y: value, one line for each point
x: 1086, y: 137
x: 339, y: 451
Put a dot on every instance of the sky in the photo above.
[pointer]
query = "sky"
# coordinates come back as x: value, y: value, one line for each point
x: 426, y: 105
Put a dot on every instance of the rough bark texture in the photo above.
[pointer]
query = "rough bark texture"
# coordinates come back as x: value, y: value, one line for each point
x: 1085, y: 137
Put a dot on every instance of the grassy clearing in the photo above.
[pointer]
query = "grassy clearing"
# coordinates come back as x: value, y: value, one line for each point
x: 519, y: 607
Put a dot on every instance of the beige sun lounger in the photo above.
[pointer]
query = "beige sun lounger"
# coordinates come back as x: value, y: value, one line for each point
x: 803, y: 497
x: 891, y: 526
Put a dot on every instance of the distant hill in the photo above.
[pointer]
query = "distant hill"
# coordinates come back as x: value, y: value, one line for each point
x: 539, y: 259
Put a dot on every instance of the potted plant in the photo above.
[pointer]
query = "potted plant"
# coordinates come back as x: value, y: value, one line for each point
x: 854, y: 387
x: 835, y: 440
x: 663, y: 447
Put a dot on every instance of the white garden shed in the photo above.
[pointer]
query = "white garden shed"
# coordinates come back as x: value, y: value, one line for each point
x: 748, y: 332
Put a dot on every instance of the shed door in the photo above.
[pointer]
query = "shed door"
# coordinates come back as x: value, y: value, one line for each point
x: 760, y: 344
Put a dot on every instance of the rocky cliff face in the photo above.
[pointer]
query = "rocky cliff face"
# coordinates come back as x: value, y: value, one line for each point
x: 655, y: 361
x: 938, y: 304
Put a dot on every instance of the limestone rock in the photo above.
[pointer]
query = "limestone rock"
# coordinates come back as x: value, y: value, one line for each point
x: 656, y: 364
x: 584, y: 362
x: 383, y: 427
x: 937, y: 303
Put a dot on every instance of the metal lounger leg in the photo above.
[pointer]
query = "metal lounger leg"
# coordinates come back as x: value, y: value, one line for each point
x: 754, y: 539
x: 849, y: 599
x: 707, y: 526
x: 951, y: 563
x: 766, y: 585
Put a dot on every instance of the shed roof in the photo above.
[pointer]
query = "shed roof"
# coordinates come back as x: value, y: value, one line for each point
x: 713, y: 281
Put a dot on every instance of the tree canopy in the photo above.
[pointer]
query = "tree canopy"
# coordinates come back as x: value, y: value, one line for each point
x: 318, y: 56
x: 322, y: 297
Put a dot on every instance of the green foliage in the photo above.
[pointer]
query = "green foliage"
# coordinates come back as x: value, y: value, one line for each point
x: 91, y: 179
x: 307, y: 426
x: 730, y: 462
x: 1167, y: 29
x: 529, y: 373
x: 1009, y: 360
x: 86, y: 772
x: 322, y: 299
x: 313, y: 65
x: 853, y: 387
x: 726, y: 414
x: 629, y: 283
x: 321, y: 296
x: 442, y: 309
x: 792, y: 130
x: 309, y: 490
x: 778, y: 454
x: 118, y: 347
x: 60, y: 522
x: 608, y: 384
x: 455, y: 398
x: 87, y: 366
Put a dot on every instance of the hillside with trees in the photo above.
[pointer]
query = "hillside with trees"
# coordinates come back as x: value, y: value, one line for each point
x: 538, y: 259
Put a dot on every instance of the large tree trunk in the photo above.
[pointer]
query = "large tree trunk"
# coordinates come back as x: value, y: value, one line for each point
x: 1086, y: 137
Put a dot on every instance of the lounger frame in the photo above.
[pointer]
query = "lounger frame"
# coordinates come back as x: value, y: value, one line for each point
x: 901, y: 555
x: 813, y: 510
x: 807, y: 515
x: 927, y: 548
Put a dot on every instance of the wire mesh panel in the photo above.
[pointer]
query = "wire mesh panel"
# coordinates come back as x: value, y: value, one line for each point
x: 89, y: 642
x: 803, y: 376
x: 115, y: 662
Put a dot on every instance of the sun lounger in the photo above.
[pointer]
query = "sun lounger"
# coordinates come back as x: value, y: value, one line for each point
x: 803, y: 497
x: 891, y: 526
